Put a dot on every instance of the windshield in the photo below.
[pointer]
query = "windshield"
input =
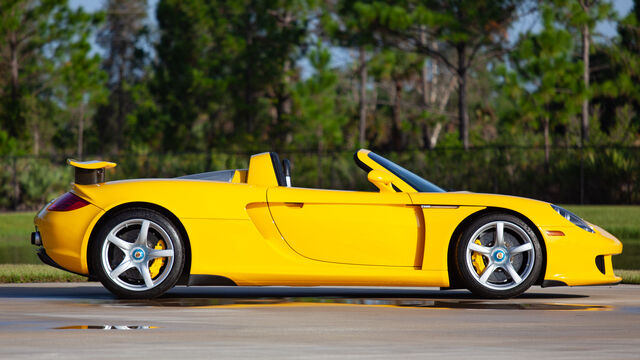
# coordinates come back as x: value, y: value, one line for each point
x: 415, y: 181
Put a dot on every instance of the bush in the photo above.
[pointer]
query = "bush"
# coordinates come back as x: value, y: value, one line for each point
x: 608, y: 175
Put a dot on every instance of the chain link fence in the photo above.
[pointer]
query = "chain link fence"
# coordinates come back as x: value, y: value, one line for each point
x: 590, y: 175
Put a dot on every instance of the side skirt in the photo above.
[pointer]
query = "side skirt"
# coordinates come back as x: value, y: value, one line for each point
x: 553, y: 283
x: 209, y: 280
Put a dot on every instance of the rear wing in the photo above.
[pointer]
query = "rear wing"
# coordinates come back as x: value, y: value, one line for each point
x: 90, y: 172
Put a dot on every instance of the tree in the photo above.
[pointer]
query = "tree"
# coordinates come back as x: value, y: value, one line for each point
x: 34, y: 38
x: 541, y: 80
x: 226, y: 67
x: 581, y: 17
x: 616, y: 81
x: 318, y: 122
x: 84, y: 87
x: 271, y: 34
x: 191, y: 76
x: 121, y: 37
x: 465, y: 31
x: 346, y: 28
x: 399, y: 69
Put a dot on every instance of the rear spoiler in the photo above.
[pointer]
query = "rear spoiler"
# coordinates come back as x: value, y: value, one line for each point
x: 90, y: 172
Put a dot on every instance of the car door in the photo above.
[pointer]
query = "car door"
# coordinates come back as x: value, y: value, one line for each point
x: 349, y: 227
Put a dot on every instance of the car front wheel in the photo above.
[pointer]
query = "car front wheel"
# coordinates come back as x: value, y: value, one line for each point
x: 498, y: 256
x: 138, y: 253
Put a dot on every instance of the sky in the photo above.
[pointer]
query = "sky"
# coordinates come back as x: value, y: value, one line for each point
x: 606, y: 28
x: 622, y: 7
x: 340, y: 57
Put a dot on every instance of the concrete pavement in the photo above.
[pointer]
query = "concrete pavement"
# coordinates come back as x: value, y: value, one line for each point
x: 43, y: 321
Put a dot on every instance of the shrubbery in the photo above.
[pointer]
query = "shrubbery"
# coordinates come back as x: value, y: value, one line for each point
x: 610, y: 175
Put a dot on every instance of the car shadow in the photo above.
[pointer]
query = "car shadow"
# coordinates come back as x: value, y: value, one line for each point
x: 226, y: 295
x: 341, y: 292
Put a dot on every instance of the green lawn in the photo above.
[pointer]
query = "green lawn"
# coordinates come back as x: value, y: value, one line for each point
x: 15, y: 247
x: 621, y: 221
x: 629, y: 276
x: 27, y: 273
x: 15, y: 238
x: 16, y: 226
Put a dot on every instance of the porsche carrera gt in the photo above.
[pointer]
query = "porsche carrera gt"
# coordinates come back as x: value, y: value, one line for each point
x: 142, y: 237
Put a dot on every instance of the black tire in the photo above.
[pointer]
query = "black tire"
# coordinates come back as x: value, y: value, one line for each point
x: 133, y: 266
x: 494, y: 268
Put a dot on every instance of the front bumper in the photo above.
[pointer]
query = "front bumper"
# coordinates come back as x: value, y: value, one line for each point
x: 580, y: 257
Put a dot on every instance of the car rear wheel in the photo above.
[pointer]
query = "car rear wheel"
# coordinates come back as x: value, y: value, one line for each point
x: 498, y: 256
x: 138, y: 254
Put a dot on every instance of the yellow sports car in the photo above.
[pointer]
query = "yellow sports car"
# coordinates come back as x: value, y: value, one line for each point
x: 252, y: 227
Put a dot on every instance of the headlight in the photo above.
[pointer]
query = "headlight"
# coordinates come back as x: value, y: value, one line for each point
x: 575, y: 219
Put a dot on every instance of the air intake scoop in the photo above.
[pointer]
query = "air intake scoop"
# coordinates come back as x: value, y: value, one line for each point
x: 90, y: 172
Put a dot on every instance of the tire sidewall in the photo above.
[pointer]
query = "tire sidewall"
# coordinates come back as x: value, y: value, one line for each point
x: 101, y: 237
x: 465, y: 273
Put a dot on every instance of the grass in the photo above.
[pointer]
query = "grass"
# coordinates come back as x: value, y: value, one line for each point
x: 15, y: 238
x: 16, y: 226
x: 629, y: 276
x: 30, y: 273
x: 18, y: 262
x: 621, y: 221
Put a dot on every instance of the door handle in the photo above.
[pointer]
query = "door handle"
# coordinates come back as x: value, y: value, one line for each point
x: 294, y: 204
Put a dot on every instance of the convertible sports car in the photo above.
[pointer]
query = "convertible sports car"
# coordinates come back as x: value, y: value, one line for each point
x: 251, y: 227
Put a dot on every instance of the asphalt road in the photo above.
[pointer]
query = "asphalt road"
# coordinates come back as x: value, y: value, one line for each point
x: 73, y: 321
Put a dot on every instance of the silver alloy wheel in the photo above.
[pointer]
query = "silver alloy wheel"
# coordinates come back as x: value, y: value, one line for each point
x: 507, y: 252
x: 130, y: 248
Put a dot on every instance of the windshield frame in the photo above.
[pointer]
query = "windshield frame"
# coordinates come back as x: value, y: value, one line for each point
x: 418, y: 183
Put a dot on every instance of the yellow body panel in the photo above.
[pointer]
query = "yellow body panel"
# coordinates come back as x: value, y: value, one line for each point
x: 261, y: 171
x: 571, y: 258
x: 91, y: 165
x: 255, y: 232
x: 440, y: 223
x: 239, y: 177
x: 64, y: 238
x: 348, y: 227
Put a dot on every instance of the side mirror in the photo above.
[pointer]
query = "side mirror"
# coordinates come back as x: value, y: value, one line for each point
x: 381, y: 179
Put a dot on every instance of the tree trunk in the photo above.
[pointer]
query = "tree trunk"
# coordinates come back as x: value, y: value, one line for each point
x: 278, y: 133
x: 463, y: 116
x: 81, y: 132
x: 585, y: 102
x: 13, y: 121
x: 13, y: 49
x: 426, y: 86
x: 320, y: 151
x: 362, y: 103
x: 426, y: 91
x: 397, y: 139
x: 433, y: 92
x: 545, y: 125
x: 433, y: 138
x: 120, y: 115
x: 36, y: 139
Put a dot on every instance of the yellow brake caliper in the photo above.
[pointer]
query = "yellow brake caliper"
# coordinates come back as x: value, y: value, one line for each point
x: 476, y: 259
x: 157, y: 263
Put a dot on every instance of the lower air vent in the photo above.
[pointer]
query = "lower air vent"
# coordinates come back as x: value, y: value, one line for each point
x: 600, y: 263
